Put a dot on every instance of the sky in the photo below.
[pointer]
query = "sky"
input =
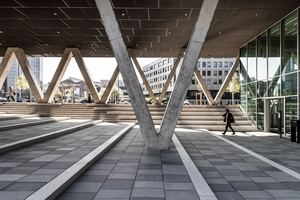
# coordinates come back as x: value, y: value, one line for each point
x: 99, y: 68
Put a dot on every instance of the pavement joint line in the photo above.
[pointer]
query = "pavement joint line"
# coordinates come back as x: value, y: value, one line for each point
x: 26, y: 142
x: 25, y: 124
x: 262, y: 158
x: 201, y: 186
x: 61, y: 182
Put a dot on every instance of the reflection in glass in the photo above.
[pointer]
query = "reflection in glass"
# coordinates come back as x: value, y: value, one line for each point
x: 252, y: 60
x: 251, y: 101
x: 289, y: 84
x: 260, y: 114
x: 274, y: 87
x: 276, y: 106
x: 243, y: 97
x: 290, y: 43
x: 262, y: 89
x: 274, y: 51
x: 243, y: 64
x: 262, y: 56
x: 290, y: 113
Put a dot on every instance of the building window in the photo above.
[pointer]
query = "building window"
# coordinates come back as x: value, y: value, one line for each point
x: 220, y: 81
x: 215, y: 82
x: 203, y: 73
x: 230, y: 64
x: 198, y: 64
x: 215, y: 64
x: 215, y: 73
x: 225, y: 73
x: 203, y: 64
x: 220, y: 73
x: 225, y: 64
x: 220, y: 64
x: 208, y: 64
x: 193, y: 82
x: 208, y: 73
x: 208, y: 82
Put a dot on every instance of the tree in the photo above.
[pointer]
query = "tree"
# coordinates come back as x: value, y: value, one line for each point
x: 236, y: 84
x: 22, y: 83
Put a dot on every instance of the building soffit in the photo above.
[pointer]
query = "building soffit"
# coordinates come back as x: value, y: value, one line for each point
x: 152, y: 28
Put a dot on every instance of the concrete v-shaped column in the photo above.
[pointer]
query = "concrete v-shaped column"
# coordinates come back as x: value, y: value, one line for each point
x: 109, y: 87
x: 58, y: 75
x: 128, y: 73
x: 61, y: 69
x: 138, y: 67
x: 186, y: 72
x: 6, y: 64
x: 204, y: 87
x: 171, y: 74
x: 29, y: 75
x: 227, y: 80
x: 86, y: 75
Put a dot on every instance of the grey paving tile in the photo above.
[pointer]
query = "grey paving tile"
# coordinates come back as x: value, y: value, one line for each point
x: 137, y: 192
x: 11, y: 177
x: 87, y: 178
x: 122, y: 176
x: 89, y: 187
x: 179, y: 195
x: 37, y: 178
x: 245, y: 186
x: 149, y: 171
x: 23, y: 186
x: 118, y: 184
x: 14, y: 195
x: 255, y: 194
x: 149, y: 177
x: 174, y: 169
x: 179, y: 186
x: 228, y: 196
x: 148, y: 184
x: 272, y: 186
x: 283, y: 193
x: 110, y: 194
x: 221, y: 188
x: 176, y: 178
x: 76, y: 196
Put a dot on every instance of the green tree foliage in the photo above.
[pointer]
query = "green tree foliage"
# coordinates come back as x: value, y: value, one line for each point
x: 236, y: 82
x: 22, y: 83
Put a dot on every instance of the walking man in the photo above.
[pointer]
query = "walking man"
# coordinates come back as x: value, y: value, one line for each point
x: 228, y: 118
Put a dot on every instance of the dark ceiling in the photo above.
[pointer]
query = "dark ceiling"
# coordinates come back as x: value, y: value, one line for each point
x: 153, y: 28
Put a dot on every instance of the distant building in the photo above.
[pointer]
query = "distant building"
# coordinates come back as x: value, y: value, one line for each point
x: 212, y: 70
x: 16, y: 70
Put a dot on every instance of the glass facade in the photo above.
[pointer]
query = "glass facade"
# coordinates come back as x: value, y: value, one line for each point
x: 270, y: 85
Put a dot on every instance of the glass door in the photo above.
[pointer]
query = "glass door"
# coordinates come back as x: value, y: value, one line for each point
x: 276, y: 110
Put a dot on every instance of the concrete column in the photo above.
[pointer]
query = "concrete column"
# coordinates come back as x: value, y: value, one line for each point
x: 204, y: 87
x: 267, y: 115
x: 227, y: 80
x: 86, y: 75
x: 29, y: 75
x: 186, y: 72
x: 171, y: 74
x: 58, y: 75
x: 128, y: 73
x: 138, y: 67
x: 110, y: 86
x: 6, y: 64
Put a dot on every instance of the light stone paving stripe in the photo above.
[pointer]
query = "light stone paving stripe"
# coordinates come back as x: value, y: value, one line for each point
x: 201, y: 186
x: 29, y: 141
x: 262, y: 158
x: 25, y: 124
x: 56, y: 186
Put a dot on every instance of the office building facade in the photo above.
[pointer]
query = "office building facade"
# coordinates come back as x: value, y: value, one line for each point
x: 270, y: 73
x: 212, y: 70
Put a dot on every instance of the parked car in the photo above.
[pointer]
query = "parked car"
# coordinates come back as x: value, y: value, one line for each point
x: 3, y: 99
x: 85, y: 101
x: 186, y: 102
x: 18, y: 99
x: 123, y: 101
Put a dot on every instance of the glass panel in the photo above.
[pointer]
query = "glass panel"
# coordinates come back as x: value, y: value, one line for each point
x: 243, y: 64
x: 290, y: 113
x: 289, y: 84
x: 274, y: 87
x: 262, y: 56
x: 260, y: 114
x: 251, y: 102
x: 274, y: 51
x: 289, y: 44
x: 252, y: 60
x: 276, y: 105
x: 262, y: 89
x: 243, y: 97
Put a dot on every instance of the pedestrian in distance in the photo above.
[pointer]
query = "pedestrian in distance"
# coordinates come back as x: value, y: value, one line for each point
x: 229, y: 119
x: 89, y: 98
x: 11, y: 94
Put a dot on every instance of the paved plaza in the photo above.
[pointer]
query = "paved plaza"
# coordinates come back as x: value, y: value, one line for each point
x: 109, y: 161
